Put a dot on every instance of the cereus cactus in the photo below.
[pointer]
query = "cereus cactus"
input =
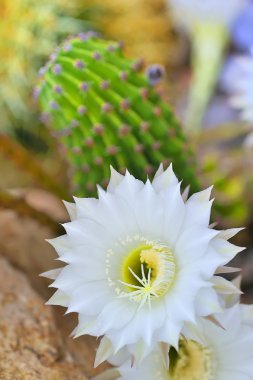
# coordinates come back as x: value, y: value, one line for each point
x: 106, y: 112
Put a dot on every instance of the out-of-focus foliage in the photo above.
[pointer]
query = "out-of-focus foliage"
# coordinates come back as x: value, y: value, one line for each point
x: 29, y: 30
x: 106, y: 112
x: 209, y: 43
x: 23, y: 175
x: 228, y: 165
x: 145, y: 26
x: 26, y: 163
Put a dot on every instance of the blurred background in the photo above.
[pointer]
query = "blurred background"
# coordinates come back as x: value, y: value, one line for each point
x: 197, y: 57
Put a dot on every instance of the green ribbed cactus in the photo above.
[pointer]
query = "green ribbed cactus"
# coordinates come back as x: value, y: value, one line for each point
x: 106, y: 112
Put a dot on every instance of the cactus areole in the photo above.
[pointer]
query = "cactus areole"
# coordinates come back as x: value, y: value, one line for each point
x: 105, y: 111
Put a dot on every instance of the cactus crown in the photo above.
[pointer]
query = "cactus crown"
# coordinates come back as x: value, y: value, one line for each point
x: 106, y: 112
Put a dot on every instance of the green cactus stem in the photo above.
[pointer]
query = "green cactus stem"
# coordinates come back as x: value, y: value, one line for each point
x: 106, y: 112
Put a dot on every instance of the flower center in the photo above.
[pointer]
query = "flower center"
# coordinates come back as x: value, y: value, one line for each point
x: 192, y: 362
x: 147, y: 271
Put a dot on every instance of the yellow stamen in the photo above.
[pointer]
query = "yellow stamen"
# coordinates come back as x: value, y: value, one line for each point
x: 147, y: 271
x: 192, y: 362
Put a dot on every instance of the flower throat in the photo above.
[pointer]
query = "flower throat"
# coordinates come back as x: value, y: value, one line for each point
x: 147, y: 271
x: 192, y: 362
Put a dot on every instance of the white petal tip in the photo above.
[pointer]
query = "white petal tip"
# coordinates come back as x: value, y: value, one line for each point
x: 213, y: 225
x: 186, y: 192
x: 212, y: 319
x: 224, y: 269
x: 159, y: 171
x: 165, y: 348
x: 104, y: 351
x: 51, y: 274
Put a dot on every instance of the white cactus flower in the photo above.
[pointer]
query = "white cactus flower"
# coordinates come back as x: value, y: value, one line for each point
x: 243, y: 88
x: 188, y: 13
x: 208, y: 24
x: 140, y: 263
x: 209, y: 353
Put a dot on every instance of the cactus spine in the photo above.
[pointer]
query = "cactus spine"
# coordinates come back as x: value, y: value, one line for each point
x: 106, y: 112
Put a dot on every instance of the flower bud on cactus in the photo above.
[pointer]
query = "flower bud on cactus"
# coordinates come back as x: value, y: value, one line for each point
x: 106, y: 112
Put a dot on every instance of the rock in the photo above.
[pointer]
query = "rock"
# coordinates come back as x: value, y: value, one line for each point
x: 44, y: 201
x: 82, y: 349
x: 22, y: 242
x: 31, y: 346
